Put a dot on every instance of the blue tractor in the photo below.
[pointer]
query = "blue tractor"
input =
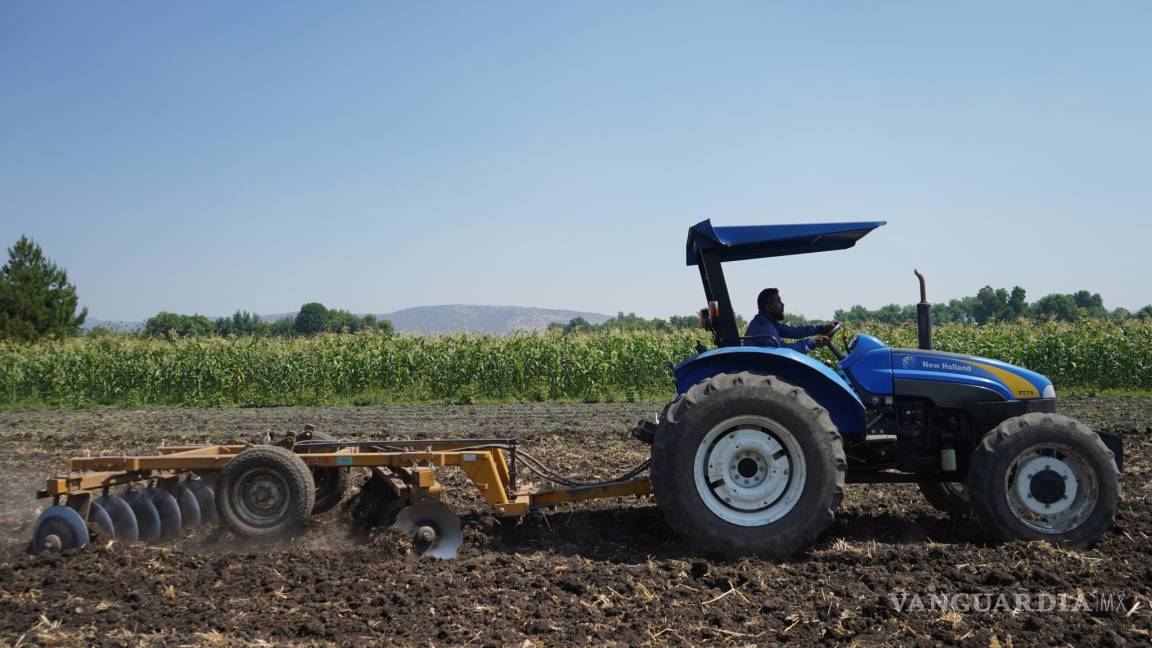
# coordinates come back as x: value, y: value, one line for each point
x: 753, y: 454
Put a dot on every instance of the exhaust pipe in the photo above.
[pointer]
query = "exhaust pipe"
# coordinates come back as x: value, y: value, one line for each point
x: 923, y: 316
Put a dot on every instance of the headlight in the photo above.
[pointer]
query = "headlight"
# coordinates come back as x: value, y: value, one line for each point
x: 1049, y: 392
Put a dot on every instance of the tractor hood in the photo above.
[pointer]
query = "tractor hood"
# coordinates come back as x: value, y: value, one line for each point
x: 1010, y: 381
x: 759, y: 241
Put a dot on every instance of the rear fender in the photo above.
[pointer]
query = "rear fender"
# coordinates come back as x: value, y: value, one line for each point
x: 822, y: 384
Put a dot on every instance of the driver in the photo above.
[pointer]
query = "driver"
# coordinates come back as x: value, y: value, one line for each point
x: 766, y: 328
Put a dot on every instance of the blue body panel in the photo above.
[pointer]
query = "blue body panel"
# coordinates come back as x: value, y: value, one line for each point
x: 823, y: 384
x: 1010, y: 381
x: 873, y: 366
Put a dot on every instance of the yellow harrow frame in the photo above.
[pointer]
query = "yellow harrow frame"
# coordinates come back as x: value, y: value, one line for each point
x: 489, y: 469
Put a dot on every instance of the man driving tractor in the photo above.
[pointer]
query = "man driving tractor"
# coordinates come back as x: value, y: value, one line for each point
x: 767, y: 328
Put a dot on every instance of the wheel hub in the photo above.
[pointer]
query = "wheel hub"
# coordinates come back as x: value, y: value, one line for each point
x: 746, y: 470
x: 262, y: 497
x: 1047, y: 487
x: 1050, y: 488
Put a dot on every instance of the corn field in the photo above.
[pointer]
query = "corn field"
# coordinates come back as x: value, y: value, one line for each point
x: 372, y: 368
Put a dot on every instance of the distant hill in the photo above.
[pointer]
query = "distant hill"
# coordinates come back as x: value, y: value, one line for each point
x: 454, y: 318
x: 116, y: 325
x: 482, y: 319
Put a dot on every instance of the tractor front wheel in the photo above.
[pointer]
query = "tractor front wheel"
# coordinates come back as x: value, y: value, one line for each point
x: 948, y: 497
x: 1044, y: 477
x: 744, y: 463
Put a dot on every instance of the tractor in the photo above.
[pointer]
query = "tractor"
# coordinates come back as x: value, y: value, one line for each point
x: 750, y: 457
x: 753, y: 453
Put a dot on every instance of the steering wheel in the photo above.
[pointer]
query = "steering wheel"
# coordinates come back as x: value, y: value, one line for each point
x: 832, y: 343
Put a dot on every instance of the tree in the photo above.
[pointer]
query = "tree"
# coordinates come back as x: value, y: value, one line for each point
x: 36, y: 299
x: 169, y: 325
x: 577, y: 325
x: 312, y: 319
x: 241, y: 323
x: 282, y: 327
x: 1017, y: 303
x: 1061, y: 307
x: 1091, y: 303
x: 990, y: 304
x: 341, y: 321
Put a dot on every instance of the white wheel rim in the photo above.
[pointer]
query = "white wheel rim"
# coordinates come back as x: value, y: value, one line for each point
x: 1064, y: 506
x: 749, y: 470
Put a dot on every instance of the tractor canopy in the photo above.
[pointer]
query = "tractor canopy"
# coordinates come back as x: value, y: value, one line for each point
x: 759, y: 241
x: 709, y: 247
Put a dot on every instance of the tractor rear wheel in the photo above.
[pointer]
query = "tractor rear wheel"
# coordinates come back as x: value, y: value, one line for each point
x: 1044, y: 477
x: 264, y: 492
x: 744, y: 463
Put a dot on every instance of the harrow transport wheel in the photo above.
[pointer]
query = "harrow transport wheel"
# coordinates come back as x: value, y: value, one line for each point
x: 1044, y: 477
x: 949, y: 497
x: 748, y: 464
x: 59, y: 528
x: 332, y: 484
x: 123, y: 519
x: 265, y: 492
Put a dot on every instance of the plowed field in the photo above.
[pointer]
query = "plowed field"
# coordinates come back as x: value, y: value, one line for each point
x: 602, y: 573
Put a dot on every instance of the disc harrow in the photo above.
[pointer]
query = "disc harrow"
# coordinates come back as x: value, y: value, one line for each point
x: 271, y: 490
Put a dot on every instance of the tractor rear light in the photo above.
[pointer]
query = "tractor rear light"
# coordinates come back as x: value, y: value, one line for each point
x: 714, y: 309
x: 704, y: 323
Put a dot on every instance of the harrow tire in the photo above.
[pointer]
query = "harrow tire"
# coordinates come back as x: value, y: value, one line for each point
x: 206, y: 498
x: 948, y: 497
x: 1038, y: 457
x: 123, y: 519
x: 332, y: 484
x: 265, y: 492
x: 147, y: 517
x: 798, y: 452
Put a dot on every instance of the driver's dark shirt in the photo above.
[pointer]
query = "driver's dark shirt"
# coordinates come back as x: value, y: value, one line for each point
x: 766, y: 331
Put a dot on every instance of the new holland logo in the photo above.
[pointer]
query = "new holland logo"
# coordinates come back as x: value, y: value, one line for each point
x: 909, y: 362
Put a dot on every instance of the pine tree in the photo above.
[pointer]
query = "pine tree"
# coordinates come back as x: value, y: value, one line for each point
x: 36, y: 299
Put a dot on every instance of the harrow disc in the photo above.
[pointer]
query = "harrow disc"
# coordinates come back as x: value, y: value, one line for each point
x: 206, y: 498
x: 59, y: 528
x: 101, y: 522
x: 123, y: 519
x: 189, y: 507
x: 433, y: 527
x: 171, y: 522
x: 147, y: 517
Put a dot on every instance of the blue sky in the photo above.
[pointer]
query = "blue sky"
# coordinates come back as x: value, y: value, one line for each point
x: 209, y: 156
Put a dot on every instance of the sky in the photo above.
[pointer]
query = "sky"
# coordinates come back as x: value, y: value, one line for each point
x: 213, y: 156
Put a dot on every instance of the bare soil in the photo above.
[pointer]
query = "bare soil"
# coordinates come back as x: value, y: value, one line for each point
x: 602, y: 573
